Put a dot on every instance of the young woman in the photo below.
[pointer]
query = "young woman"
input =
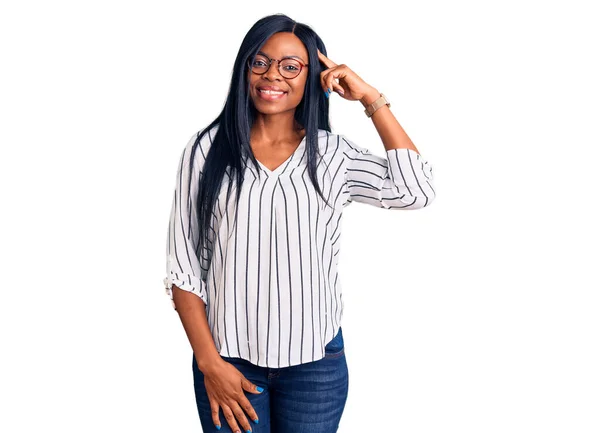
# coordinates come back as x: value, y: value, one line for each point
x: 254, y: 280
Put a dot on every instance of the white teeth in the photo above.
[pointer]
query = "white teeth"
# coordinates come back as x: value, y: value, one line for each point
x: 270, y: 92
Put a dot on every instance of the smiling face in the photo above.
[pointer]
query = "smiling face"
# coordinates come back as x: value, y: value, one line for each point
x: 278, y: 46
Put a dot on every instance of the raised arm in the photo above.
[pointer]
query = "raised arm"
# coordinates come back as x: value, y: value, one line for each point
x: 402, y: 180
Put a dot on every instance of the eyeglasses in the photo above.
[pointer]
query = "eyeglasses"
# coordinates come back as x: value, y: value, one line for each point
x: 288, y: 67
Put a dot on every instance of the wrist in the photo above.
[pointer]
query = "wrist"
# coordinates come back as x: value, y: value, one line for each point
x: 370, y: 97
x: 207, y: 363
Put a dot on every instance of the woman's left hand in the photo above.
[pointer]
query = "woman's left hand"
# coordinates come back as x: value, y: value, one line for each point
x: 350, y: 86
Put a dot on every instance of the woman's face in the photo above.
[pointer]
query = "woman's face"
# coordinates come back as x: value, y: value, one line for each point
x: 278, y: 46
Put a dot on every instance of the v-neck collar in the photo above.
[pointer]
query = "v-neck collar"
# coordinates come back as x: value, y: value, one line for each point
x: 296, y: 154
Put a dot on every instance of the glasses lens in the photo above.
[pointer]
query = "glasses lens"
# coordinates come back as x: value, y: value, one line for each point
x: 259, y: 65
x: 290, y: 68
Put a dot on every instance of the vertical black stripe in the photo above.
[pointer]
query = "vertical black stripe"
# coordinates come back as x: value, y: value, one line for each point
x: 247, y: 256
x: 300, y: 258
x: 227, y: 252
x: 310, y: 229
x: 235, y: 268
x: 278, y: 299
x: 259, y: 239
x: 290, y: 285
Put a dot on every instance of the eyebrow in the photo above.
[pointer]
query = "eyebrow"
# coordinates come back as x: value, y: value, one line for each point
x: 284, y: 57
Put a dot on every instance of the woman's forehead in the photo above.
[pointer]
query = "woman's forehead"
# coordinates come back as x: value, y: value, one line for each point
x: 284, y: 44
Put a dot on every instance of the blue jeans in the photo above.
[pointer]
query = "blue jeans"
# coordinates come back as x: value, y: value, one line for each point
x: 303, y: 398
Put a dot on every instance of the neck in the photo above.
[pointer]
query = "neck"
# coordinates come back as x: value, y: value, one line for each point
x: 276, y: 128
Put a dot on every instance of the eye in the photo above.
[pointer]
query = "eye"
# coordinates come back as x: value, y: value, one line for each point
x: 290, y: 65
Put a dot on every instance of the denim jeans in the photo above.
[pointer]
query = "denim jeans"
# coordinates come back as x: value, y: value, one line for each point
x: 303, y: 398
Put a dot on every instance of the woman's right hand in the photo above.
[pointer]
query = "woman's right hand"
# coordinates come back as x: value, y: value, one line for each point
x: 225, y: 386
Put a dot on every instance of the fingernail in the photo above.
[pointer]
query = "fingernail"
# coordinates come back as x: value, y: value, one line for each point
x: 218, y: 427
x: 259, y: 389
x: 327, y: 94
x: 340, y: 91
x: 256, y: 421
x: 329, y: 90
x: 248, y: 431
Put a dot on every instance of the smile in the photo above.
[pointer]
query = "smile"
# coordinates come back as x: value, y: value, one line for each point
x: 270, y: 95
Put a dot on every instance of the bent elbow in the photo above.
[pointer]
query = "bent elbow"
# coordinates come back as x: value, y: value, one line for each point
x: 409, y: 198
x: 406, y: 202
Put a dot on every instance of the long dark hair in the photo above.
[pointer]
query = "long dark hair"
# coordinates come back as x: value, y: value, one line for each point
x: 231, y: 143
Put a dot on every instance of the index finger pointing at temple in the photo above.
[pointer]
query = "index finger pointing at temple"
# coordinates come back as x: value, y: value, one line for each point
x: 327, y: 62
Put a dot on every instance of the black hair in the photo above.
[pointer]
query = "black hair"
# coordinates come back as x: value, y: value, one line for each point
x: 230, y: 146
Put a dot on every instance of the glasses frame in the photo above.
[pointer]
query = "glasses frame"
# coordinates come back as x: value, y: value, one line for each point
x: 302, y: 65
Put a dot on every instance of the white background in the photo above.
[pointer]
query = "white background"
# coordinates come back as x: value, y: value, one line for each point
x: 476, y: 314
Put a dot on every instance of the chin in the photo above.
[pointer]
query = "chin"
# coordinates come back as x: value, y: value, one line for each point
x: 268, y: 108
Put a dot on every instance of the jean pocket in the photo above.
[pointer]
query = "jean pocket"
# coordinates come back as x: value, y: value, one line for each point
x: 335, y: 348
x: 329, y: 354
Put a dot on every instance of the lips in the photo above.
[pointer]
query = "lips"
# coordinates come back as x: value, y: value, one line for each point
x: 274, y: 88
x: 270, y: 93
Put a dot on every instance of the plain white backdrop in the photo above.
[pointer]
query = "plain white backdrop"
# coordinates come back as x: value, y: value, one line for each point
x: 476, y: 314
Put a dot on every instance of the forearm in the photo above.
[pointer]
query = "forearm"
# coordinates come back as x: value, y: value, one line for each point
x: 192, y: 312
x: 389, y: 129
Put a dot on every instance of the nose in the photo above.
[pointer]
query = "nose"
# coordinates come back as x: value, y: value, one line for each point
x: 273, y: 70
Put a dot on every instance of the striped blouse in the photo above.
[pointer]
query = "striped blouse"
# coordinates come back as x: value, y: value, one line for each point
x: 269, y: 271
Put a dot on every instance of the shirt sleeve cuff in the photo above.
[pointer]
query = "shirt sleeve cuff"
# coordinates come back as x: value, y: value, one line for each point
x: 412, y: 171
x: 186, y: 282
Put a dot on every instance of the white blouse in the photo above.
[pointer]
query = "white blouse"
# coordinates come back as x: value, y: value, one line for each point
x: 268, y: 274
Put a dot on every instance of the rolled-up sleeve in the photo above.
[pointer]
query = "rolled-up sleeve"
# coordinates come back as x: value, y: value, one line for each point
x: 401, y: 180
x: 183, y: 264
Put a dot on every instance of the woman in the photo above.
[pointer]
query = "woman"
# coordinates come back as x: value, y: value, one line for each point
x: 254, y: 280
